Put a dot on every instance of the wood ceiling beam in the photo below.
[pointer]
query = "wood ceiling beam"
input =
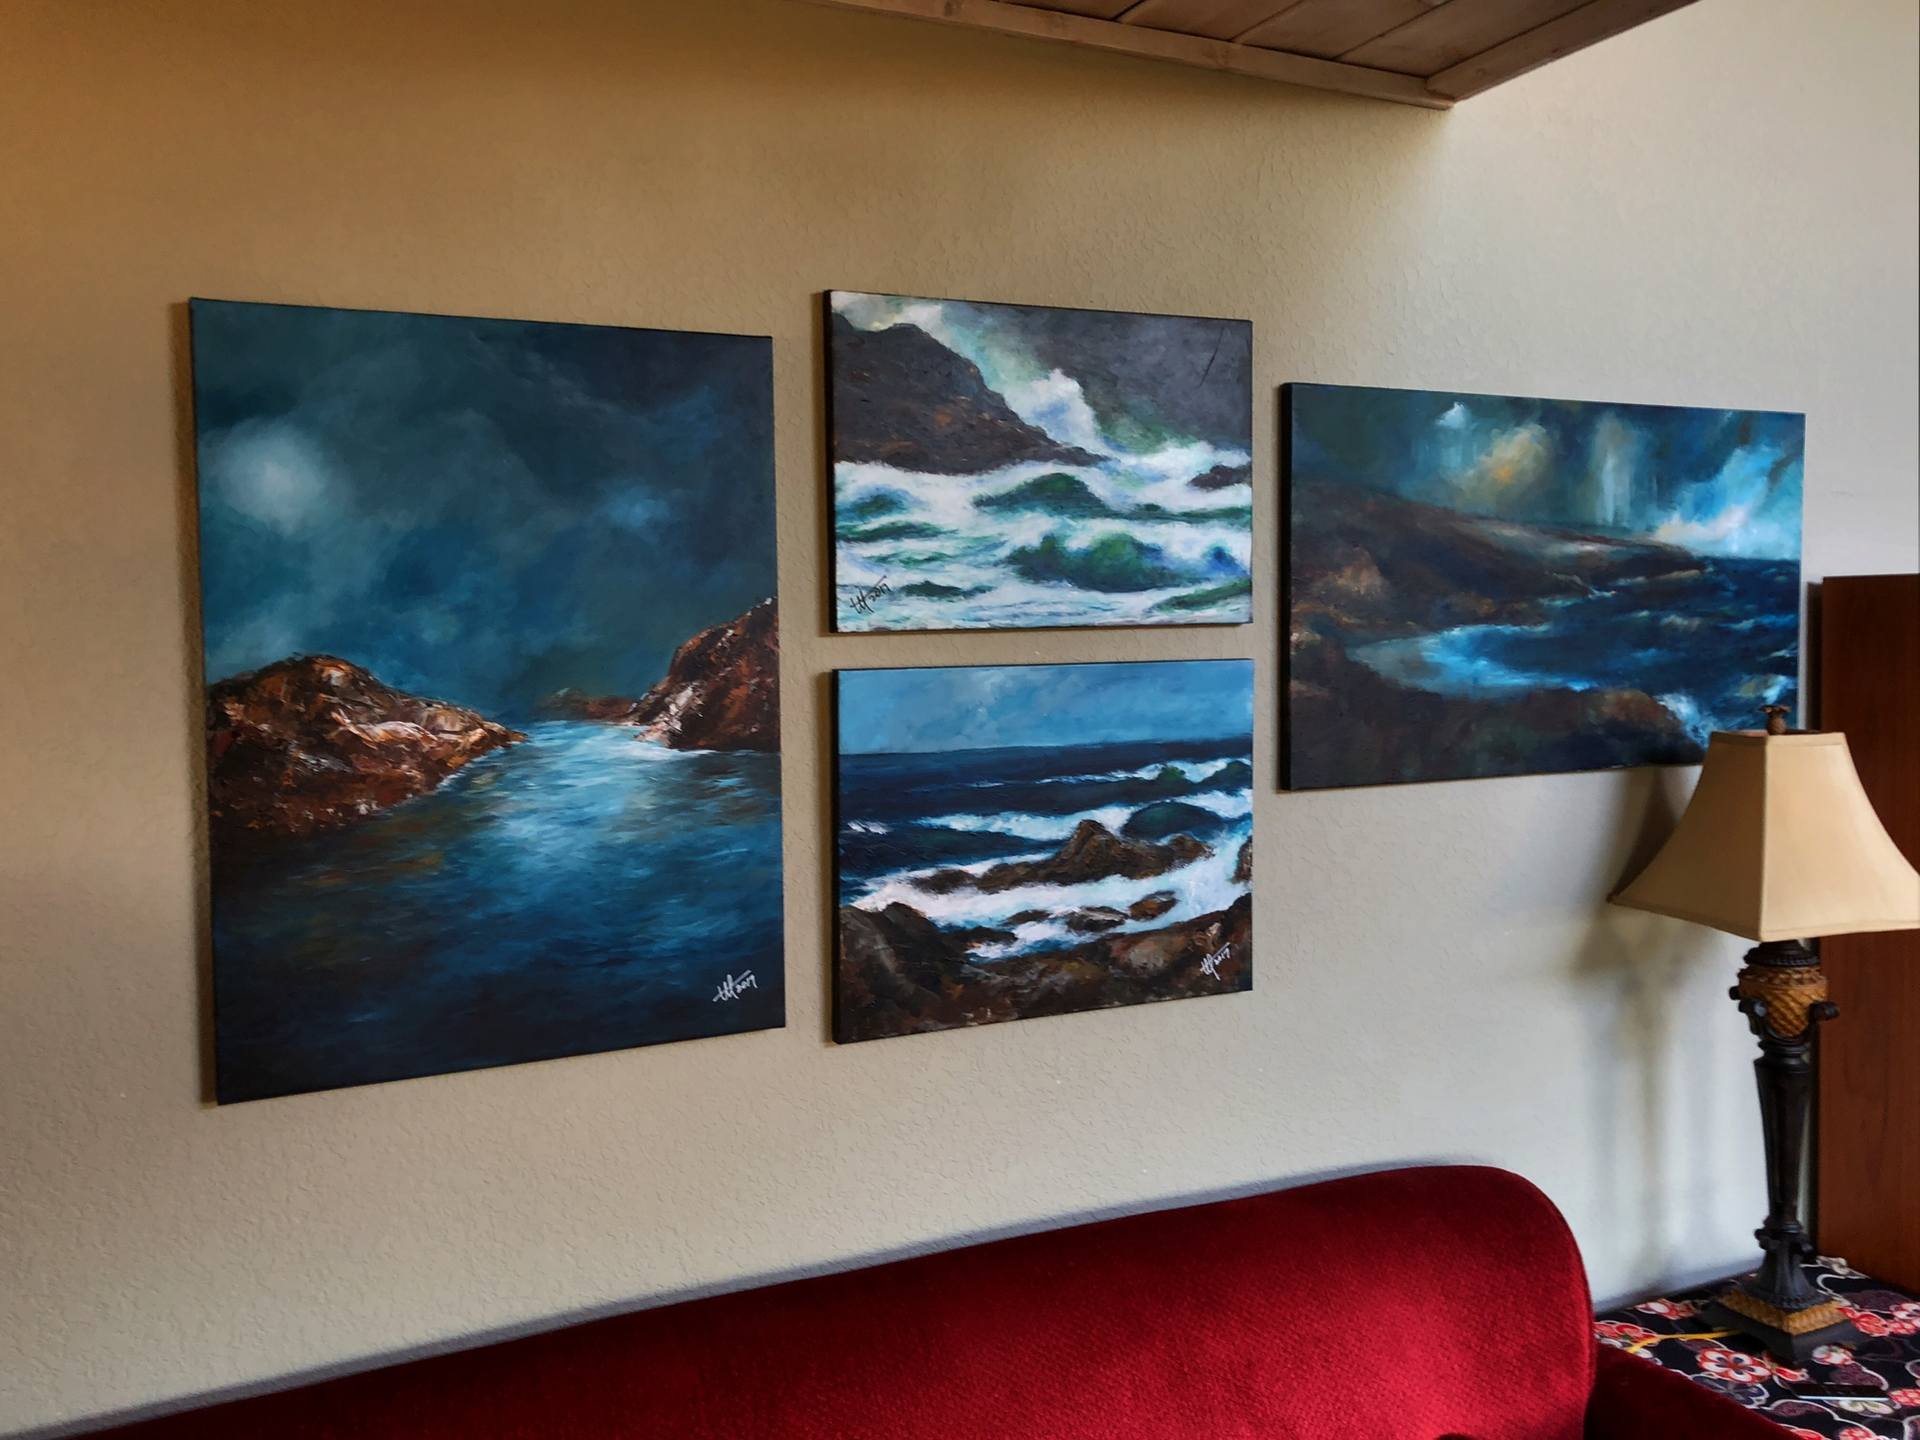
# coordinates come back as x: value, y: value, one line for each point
x: 1326, y: 28
x: 1445, y: 35
x: 1591, y: 23
x: 1138, y: 40
x: 1215, y: 19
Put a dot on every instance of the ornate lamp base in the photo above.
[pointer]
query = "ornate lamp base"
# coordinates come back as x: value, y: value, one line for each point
x: 1784, y: 995
x: 1791, y: 1335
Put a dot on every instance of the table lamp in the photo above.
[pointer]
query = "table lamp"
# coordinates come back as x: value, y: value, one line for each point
x: 1780, y: 844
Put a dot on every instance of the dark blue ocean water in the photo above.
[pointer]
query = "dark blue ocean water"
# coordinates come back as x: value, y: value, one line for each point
x: 905, y: 812
x: 584, y: 891
x: 1713, y: 648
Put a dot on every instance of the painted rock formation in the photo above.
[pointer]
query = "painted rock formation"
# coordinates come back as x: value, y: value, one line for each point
x: 1152, y: 907
x: 1378, y: 564
x: 1166, y: 818
x: 571, y: 704
x: 900, y: 974
x: 1369, y: 565
x: 1364, y: 723
x: 722, y: 689
x: 902, y: 398
x: 1092, y: 852
x: 314, y: 742
x: 1221, y: 477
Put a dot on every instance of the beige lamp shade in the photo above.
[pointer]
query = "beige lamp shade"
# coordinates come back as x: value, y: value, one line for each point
x: 1780, y: 843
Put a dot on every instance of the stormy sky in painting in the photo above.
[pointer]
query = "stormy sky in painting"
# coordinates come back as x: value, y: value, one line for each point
x: 483, y: 511
x: 979, y: 707
x: 1095, y: 378
x: 1716, y: 482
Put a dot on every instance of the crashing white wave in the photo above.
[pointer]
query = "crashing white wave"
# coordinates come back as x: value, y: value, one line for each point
x: 1195, y: 771
x: 963, y: 548
x: 1022, y: 825
x: 1032, y: 827
x: 1201, y: 888
x: 1688, y: 712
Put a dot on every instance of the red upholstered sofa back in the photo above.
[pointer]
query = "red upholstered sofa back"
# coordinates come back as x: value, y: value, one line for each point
x: 1409, y: 1305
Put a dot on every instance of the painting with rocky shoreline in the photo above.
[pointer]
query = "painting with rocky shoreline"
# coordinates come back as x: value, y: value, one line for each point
x: 1491, y: 585
x: 1024, y: 840
x: 1014, y: 466
x: 492, y: 708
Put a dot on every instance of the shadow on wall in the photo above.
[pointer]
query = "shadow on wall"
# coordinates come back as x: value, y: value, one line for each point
x: 588, y: 1314
x: 180, y: 357
x: 1633, y: 970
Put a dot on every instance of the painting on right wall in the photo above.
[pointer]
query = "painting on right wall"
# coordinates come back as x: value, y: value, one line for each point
x: 1490, y: 585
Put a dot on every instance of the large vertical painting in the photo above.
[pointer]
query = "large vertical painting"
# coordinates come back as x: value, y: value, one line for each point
x: 1024, y: 840
x: 492, y: 690
x: 1490, y: 585
x: 1006, y: 466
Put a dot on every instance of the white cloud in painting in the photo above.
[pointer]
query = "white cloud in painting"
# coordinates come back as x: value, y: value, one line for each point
x: 271, y: 473
x: 877, y: 312
x: 1750, y: 508
x: 1454, y: 417
x: 1613, y: 466
x: 1505, y: 472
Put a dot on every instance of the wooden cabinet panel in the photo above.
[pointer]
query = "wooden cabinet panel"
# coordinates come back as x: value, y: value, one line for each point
x: 1868, y: 1181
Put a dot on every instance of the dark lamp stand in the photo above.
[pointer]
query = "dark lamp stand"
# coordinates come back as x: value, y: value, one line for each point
x: 1783, y: 994
x: 1780, y: 838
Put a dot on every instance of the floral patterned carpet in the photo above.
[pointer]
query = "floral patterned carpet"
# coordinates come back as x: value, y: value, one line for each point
x: 1669, y: 1332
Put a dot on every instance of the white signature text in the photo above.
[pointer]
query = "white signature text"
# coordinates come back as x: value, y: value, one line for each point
x: 734, y: 986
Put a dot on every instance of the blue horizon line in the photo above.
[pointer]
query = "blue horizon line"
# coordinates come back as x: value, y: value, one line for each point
x: 1039, y: 749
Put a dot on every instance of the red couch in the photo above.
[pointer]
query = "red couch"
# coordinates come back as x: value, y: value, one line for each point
x: 1410, y: 1305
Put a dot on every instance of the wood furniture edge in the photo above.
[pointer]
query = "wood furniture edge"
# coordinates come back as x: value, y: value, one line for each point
x: 1867, y: 1126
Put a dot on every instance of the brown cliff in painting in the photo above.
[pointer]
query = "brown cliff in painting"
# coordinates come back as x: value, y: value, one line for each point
x: 314, y: 743
x: 900, y: 974
x: 902, y: 398
x: 1091, y: 853
x: 722, y: 691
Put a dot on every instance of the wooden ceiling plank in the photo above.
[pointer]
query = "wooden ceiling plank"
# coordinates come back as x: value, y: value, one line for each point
x: 1593, y: 22
x: 1093, y: 9
x: 1330, y: 28
x: 1457, y: 31
x: 1215, y: 19
x: 1137, y: 40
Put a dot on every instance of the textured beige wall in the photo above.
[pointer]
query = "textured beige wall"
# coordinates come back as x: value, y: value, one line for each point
x: 1719, y: 209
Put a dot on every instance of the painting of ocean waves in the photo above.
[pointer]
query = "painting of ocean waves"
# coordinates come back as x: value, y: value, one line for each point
x: 1002, y: 466
x: 1491, y: 585
x: 1100, y: 856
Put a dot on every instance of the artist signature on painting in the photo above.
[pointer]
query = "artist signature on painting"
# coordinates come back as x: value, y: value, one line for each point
x: 1211, y: 964
x: 734, y: 986
x: 863, y: 602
